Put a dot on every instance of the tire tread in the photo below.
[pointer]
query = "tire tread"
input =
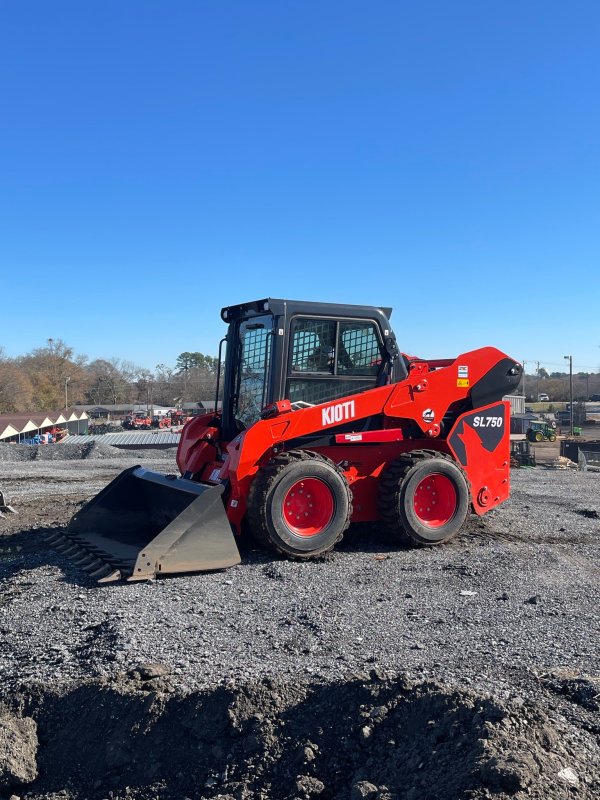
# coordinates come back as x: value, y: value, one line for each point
x: 390, y: 487
x: 258, y: 495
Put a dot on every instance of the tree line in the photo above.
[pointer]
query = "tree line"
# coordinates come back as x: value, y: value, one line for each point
x: 556, y: 385
x: 49, y: 377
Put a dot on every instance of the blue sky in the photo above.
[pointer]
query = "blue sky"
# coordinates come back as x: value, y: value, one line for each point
x: 161, y: 160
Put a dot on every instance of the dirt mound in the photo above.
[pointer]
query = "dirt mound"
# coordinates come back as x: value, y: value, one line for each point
x: 17, y: 452
x: 375, y: 737
x: 58, y: 452
x: 96, y: 449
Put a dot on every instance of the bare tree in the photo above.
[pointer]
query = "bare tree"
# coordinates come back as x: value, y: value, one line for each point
x: 50, y: 369
x: 163, y: 385
x: 111, y: 383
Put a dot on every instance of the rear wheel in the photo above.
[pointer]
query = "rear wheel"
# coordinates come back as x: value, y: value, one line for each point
x: 424, y: 496
x: 300, y: 504
x: 538, y: 436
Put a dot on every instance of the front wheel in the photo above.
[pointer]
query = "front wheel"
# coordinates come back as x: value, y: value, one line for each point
x: 424, y: 496
x: 300, y: 504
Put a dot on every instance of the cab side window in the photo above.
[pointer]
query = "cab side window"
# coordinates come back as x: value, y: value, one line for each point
x: 358, y: 351
x: 313, y: 346
x: 330, y: 359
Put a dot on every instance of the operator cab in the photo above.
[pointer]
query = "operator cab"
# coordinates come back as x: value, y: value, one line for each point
x: 308, y: 353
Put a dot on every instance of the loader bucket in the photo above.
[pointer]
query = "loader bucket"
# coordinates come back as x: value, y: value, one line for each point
x: 144, y: 524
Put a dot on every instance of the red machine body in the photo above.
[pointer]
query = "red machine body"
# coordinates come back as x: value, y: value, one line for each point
x: 478, y: 440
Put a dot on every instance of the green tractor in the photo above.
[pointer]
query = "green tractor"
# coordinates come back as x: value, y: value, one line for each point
x: 541, y: 431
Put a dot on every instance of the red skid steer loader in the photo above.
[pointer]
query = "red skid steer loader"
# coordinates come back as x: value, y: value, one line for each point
x: 324, y: 422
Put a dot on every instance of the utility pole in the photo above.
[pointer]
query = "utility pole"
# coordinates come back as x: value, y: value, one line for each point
x: 570, y: 358
x: 537, y: 387
x: 66, y: 391
x: 524, y: 392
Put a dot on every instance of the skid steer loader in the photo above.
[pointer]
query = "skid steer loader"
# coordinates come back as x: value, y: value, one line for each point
x: 323, y: 422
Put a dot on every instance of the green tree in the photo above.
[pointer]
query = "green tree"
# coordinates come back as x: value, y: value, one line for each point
x: 198, y: 375
x: 188, y: 361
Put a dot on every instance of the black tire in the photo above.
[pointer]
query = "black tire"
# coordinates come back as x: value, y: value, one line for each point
x: 552, y: 437
x: 538, y: 436
x: 406, y: 479
x: 281, y: 520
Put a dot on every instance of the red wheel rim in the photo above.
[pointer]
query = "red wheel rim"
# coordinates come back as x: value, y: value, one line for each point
x: 308, y: 507
x: 435, y: 500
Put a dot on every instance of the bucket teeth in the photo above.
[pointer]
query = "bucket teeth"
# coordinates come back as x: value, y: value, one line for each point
x: 102, y: 571
x: 69, y: 549
x: 86, y: 557
x: 53, y: 538
x: 87, y: 560
x: 114, y: 575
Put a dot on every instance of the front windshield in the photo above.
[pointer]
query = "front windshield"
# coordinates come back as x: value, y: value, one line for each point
x: 254, y: 360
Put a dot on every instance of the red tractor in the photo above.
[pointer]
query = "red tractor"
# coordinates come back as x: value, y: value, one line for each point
x: 178, y: 418
x: 161, y: 422
x: 138, y: 421
x: 324, y: 422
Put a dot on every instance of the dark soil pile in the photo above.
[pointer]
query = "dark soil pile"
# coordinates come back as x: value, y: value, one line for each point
x: 373, y: 737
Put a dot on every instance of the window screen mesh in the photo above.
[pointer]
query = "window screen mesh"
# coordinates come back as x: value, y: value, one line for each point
x: 313, y: 346
x: 255, y: 360
x: 359, y: 349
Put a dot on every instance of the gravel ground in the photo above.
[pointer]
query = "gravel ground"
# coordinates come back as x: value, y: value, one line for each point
x: 507, y: 611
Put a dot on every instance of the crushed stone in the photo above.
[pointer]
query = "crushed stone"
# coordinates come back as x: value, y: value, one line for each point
x: 299, y: 640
